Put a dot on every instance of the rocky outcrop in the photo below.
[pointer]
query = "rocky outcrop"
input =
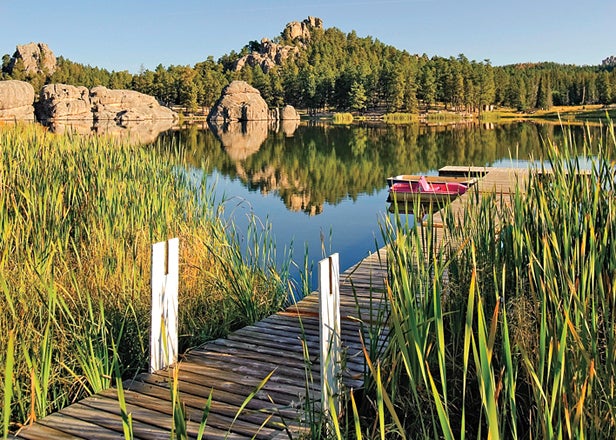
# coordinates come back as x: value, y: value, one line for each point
x: 296, y: 31
x: 289, y: 113
x: 33, y: 58
x: 127, y: 105
x: 239, y: 101
x: 64, y: 102
x: 16, y: 100
x: 270, y: 54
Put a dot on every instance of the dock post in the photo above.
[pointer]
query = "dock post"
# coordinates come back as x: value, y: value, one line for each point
x: 329, y: 316
x: 164, y: 283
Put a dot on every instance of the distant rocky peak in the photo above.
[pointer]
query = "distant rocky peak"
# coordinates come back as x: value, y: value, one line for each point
x: 270, y: 54
x: 302, y: 31
x: 35, y: 57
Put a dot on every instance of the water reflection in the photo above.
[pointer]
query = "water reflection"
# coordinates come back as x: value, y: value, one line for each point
x: 324, y: 188
x: 324, y: 164
x: 135, y: 132
x: 241, y: 139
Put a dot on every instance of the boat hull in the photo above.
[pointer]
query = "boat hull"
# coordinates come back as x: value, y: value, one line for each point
x: 424, y: 192
x: 409, y: 178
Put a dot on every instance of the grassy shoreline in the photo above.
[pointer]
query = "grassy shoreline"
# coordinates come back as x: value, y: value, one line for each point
x: 78, y: 215
x: 520, y: 342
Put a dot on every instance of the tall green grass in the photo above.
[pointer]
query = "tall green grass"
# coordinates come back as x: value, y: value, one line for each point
x: 508, y: 328
x: 77, y: 218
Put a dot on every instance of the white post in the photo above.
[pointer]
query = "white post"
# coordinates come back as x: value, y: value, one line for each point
x: 329, y: 315
x: 165, y: 278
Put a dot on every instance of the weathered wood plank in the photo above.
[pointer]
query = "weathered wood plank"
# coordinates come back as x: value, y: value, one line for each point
x: 157, y: 400
x: 42, y: 432
x: 80, y: 428
x: 232, y: 367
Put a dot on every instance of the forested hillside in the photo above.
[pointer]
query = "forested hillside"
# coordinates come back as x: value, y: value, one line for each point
x: 344, y: 72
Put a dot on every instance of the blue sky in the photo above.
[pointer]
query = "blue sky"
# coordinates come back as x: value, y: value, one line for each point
x: 130, y: 34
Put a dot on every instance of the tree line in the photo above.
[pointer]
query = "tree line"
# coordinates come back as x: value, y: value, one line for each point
x: 343, y: 72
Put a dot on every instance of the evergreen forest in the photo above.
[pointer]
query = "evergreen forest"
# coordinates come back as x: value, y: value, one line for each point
x: 334, y: 71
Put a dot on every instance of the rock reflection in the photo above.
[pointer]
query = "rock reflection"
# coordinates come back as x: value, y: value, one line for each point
x: 134, y: 132
x: 241, y: 139
x: 289, y: 126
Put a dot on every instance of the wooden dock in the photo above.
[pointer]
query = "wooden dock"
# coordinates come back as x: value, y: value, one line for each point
x: 501, y: 182
x: 285, y: 345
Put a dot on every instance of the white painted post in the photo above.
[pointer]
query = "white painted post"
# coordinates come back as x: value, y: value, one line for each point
x: 165, y: 278
x: 329, y: 315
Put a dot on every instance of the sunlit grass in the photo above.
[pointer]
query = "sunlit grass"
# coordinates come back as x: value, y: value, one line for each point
x: 343, y: 118
x: 78, y: 216
x: 508, y: 329
x: 400, y: 118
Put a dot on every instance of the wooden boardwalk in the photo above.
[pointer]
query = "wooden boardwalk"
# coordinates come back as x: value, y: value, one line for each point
x: 285, y: 344
x: 231, y: 368
x: 501, y: 182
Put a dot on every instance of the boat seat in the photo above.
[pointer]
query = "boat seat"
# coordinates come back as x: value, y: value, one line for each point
x: 423, y: 183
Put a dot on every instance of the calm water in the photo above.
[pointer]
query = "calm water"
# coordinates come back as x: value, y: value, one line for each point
x: 323, y: 187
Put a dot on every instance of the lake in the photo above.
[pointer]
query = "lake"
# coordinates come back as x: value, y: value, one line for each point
x: 322, y: 187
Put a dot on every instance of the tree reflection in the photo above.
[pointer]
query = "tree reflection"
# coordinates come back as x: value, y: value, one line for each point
x: 323, y: 163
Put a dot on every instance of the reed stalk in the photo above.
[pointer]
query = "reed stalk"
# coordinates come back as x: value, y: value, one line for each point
x: 78, y: 215
x: 508, y: 328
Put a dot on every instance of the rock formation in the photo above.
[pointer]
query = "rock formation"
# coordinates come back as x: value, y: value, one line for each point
x: 272, y: 54
x: 289, y: 113
x: 16, y: 100
x: 35, y: 58
x: 239, y: 101
x: 64, y: 102
x: 127, y: 105
x: 296, y: 31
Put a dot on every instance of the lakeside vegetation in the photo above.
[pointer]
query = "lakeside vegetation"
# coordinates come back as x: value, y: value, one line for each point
x: 510, y: 330
x: 78, y: 215
x: 341, y: 72
x: 520, y: 341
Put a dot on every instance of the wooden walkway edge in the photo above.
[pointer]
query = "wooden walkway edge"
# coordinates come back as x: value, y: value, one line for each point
x: 285, y: 344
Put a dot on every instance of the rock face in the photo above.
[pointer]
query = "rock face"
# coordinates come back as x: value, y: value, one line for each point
x: 301, y: 31
x: 65, y: 102
x: 35, y: 58
x: 239, y: 101
x: 127, y: 105
x: 272, y: 54
x: 289, y: 113
x: 16, y: 100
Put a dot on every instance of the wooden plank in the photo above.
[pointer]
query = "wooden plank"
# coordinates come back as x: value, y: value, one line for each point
x: 146, y: 417
x: 463, y: 171
x: 201, y: 385
x: 266, y: 414
x: 110, y: 418
x: 246, y: 372
x: 42, y: 432
x: 158, y: 400
x: 80, y: 428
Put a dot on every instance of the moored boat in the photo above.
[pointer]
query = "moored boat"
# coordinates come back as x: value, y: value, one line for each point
x: 424, y: 191
x: 409, y: 178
